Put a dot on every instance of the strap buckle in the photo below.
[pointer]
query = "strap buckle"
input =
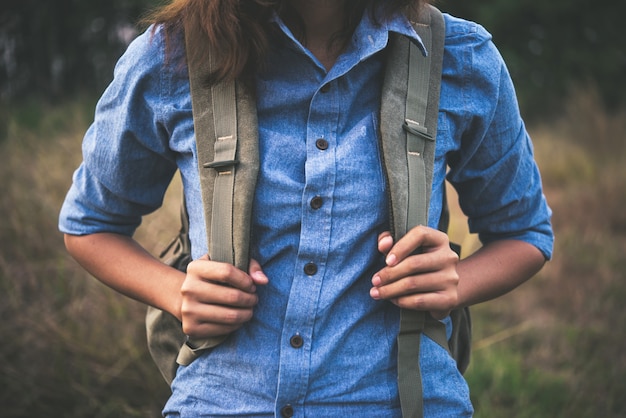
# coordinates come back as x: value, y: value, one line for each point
x: 221, y: 165
x: 416, y: 128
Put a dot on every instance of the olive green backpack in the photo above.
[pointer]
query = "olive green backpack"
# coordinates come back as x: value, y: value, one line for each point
x: 227, y: 146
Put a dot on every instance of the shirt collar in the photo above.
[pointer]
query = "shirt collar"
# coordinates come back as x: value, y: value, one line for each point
x: 368, y: 36
x: 401, y: 25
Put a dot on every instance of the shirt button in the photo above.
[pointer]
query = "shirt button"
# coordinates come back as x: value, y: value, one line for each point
x: 310, y: 269
x: 296, y: 341
x: 286, y: 411
x: 325, y: 88
x: 317, y: 202
x: 321, y: 144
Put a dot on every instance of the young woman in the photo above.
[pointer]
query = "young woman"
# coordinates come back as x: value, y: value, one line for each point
x: 316, y: 68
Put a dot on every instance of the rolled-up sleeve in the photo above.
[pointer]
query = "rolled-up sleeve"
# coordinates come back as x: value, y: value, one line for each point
x: 127, y: 163
x: 492, y: 165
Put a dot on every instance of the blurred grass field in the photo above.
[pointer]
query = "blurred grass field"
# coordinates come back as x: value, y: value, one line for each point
x: 553, y: 348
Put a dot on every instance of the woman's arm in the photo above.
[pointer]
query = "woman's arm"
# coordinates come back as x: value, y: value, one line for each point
x: 496, y: 269
x: 122, y: 264
x: 436, y: 281
x: 212, y: 299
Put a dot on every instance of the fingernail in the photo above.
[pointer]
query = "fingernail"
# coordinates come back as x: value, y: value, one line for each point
x: 374, y: 293
x: 386, y: 240
x: 258, y: 276
x: 390, y: 260
x: 376, y: 280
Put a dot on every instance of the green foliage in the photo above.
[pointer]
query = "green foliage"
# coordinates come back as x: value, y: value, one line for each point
x: 568, y: 361
x: 71, y: 346
x: 54, y: 48
x: 50, y: 49
x: 554, y: 47
x: 501, y: 383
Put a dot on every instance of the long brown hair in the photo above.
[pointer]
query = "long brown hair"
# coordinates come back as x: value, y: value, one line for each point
x: 237, y: 31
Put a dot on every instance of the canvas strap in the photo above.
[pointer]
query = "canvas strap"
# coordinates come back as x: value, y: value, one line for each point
x: 226, y: 131
x: 422, y: 91
x: 224, y: 162
x: 215, y: 126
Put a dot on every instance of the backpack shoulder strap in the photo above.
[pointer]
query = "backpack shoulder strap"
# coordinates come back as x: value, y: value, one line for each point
x: 226, y: 133
x: 421, y: 112
x: 411, y: 135
x: 414, y: 87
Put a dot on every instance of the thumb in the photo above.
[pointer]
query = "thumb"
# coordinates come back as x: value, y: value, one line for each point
x: 256, y: 273
x: 385, y: 242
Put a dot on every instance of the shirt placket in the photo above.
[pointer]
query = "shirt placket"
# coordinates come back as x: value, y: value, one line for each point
x: 315, y: 234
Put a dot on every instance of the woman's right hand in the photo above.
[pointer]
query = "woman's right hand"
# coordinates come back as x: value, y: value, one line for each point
x: 218, y: 298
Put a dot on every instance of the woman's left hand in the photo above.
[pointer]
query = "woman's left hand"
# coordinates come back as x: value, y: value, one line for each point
x: 421, y: 272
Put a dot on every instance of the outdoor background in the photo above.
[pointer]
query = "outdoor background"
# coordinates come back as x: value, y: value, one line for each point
x: 555, y: 347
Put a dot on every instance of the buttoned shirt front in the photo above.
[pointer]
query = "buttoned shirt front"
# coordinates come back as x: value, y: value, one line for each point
x: 318, y: 345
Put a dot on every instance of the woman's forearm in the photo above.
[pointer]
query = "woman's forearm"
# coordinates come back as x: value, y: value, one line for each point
x: 496, y: 269
x: 122, y: 264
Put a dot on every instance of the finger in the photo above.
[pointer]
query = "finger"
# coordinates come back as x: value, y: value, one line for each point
x: 222, y: 273
x: 256, y: 273
x: 436, y: 281
x: 415, y: 265
x: 212, y: 293
x: 204, y: 320
x: 419, y: 237
x: 385, y: 242
x: 438, y: 304
x: 216, y: 314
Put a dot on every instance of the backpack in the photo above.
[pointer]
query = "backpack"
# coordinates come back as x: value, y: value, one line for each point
x: 227, y: 146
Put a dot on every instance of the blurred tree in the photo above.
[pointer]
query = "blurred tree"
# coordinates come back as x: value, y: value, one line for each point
x: 554, y: 47
x: 53, y: 48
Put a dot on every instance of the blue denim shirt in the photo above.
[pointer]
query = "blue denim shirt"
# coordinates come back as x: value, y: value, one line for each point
x: 317, y: 203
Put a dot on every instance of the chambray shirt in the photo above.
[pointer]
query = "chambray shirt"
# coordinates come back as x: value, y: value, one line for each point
x: 318, y: 344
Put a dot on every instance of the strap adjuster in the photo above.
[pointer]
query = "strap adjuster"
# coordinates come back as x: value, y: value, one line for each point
x: 221, y: 165
x: 415, y: 128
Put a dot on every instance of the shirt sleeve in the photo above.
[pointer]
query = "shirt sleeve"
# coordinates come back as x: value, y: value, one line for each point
x: 492, y: 166
x: 127, y: 163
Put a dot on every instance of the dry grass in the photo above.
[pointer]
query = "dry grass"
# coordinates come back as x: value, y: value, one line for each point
x: 71, y: 347
x: 572, y: 344
x: 552, y: 348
